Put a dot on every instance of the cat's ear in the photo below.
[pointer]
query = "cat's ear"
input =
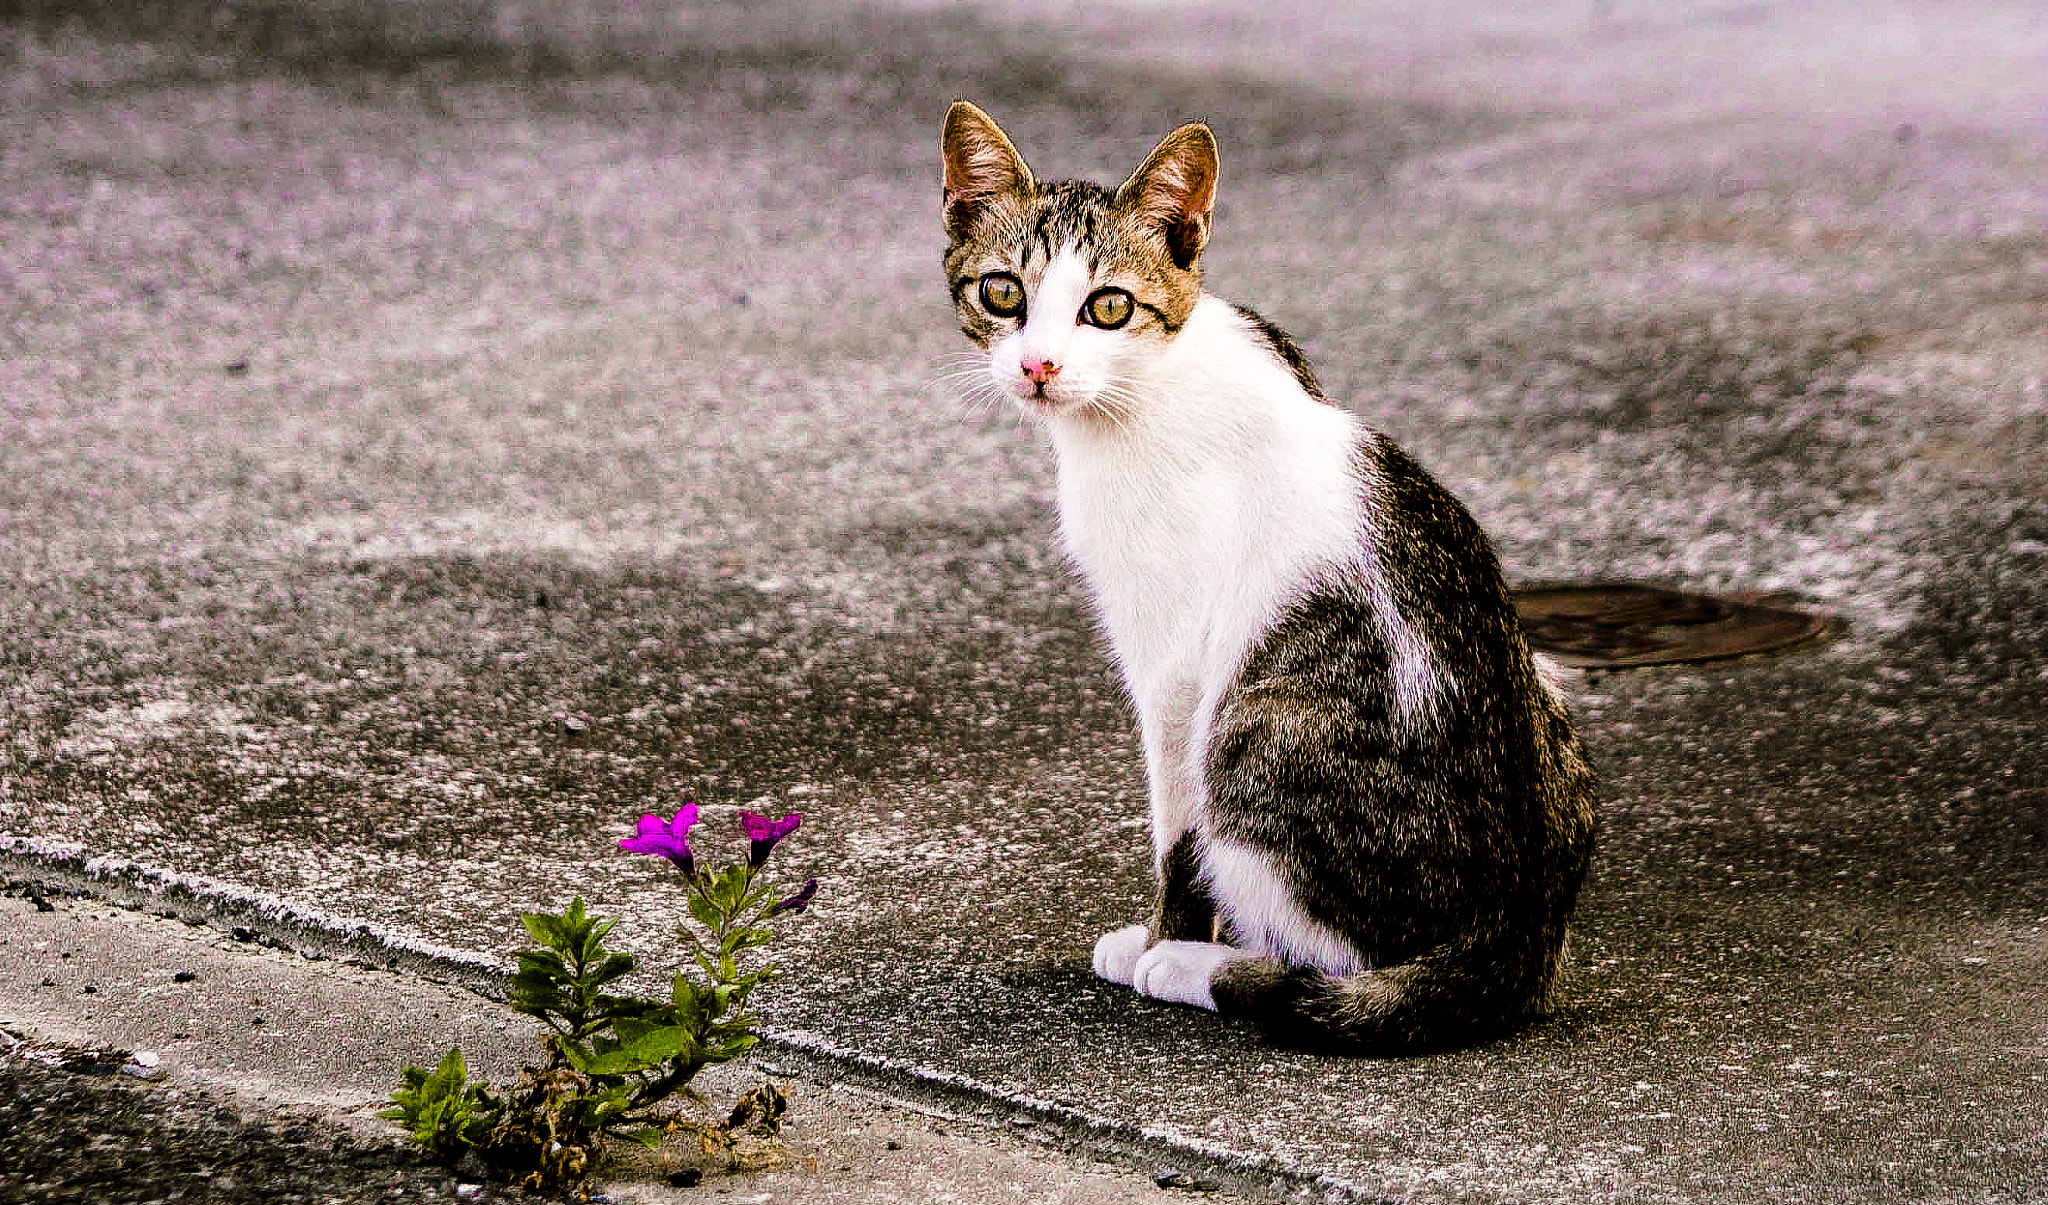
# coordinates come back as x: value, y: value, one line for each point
x: 1175, y: 190
x: 981, y: 165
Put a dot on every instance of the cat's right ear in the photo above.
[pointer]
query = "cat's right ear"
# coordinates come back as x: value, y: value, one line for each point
x: 981, y: 165
x: 1174, y: 191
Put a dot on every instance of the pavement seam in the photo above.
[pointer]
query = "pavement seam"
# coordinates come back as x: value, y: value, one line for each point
x: 273, y: 922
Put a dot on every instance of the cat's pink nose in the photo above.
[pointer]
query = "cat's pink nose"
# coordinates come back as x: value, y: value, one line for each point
x: 1041, y: 370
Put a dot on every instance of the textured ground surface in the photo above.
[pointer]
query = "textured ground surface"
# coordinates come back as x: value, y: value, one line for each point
x: 265, y: 1069
x: 381, y: 388
x: 82, y: 1137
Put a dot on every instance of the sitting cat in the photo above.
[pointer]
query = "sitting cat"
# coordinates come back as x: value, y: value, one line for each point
x: 1370, y: 813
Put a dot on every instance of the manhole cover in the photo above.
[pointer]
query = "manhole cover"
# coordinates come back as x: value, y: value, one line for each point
x: 1628, y: 623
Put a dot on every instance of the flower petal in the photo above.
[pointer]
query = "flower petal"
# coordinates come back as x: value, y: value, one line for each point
x: 798, y: 902
x: 665, y: 838
x: 761, y: 828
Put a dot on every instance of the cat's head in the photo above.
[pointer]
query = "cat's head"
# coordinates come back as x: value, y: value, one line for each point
x: 1071, y: 287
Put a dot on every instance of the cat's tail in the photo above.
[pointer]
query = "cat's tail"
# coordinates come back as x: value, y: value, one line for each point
x: 1449, y: 997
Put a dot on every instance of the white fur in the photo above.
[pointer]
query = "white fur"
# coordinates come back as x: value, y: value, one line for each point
x: 1088, y: 357
x: 1180, y: 972
x: 1201, y: 492
x: 1419, y: 686
x: 1208, y: 505
x: 1196, y: 519
x: 1117, y: 953
x: 1557, y: 678
x: 1217, y: 495
x: 1264, y: 915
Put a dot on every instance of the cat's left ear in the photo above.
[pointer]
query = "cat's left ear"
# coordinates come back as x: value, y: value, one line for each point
x: 981, y: 165
x: 1175, y: 190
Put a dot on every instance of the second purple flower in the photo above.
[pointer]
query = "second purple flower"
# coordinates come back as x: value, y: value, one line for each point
x: 764, y: 833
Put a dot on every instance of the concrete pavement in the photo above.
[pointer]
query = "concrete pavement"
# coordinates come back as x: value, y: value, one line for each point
x: 388, y: 383
x: 271, y: 1033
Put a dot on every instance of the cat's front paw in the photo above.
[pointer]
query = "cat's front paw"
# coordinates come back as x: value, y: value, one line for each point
x: 1179, y: 972
x: 1117, y: 952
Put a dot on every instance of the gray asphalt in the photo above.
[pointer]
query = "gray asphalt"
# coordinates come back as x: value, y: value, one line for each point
x: 385, y: 383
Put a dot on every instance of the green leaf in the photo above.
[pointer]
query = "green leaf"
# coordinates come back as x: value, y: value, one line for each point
x: 732, y: 1049
x: 542, y: 962
x: 702, y: 909
x: 546, y: 929
x: 534, y: 998
x: 441, y: 1110
x: 593, y: 940
x: 614, y: 966
x: 537, y: 995
x: 760, y: 894
x: 661, y: 1045
x: 617, y: 1062
x: 609, y: 1104
x: 734, y: 885
x: 535, y: 983
x: 449, y: 1077
x: 589, y: 1027
x: 631, y: 1029
x: 574, y: 1054
x: 648, y: 1136
x: 690, y: 1000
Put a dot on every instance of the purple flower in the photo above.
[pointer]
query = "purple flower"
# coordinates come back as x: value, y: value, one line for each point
x: 798, y: 902
x: 666, y: 838
x: 764, y: 833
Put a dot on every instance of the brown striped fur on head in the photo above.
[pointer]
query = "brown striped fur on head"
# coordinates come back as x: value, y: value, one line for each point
x: 1145, y: 236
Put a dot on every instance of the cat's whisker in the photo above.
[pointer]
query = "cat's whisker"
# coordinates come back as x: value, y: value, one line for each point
x: 965, y: 372
x: 1117, y: 401
x: 982, y: 402
x: 967, y: 384
x: 971, y: 389
x: 1117, y: 414
x: 963, y: 386
x: 963, y: 378
x: 956, y: 363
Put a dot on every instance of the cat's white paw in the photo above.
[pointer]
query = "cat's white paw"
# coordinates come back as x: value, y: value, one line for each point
x: 1117, y: 952
x: 1179, y: 971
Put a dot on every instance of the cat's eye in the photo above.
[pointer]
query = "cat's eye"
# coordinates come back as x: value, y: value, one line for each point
x: 1108, y: 309
x: 1002, y: 294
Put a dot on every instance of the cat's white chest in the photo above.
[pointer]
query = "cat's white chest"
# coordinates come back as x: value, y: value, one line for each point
x: 1200, y: 519
x: 1158, y: 551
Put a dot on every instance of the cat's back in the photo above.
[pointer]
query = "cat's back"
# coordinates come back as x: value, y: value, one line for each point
x: 1390, y: 744
x: 1407, y: 660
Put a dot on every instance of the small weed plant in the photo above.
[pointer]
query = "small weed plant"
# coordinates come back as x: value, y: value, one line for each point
x: 619, y: 1066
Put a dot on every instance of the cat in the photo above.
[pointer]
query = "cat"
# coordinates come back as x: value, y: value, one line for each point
x: 1370, y: 811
